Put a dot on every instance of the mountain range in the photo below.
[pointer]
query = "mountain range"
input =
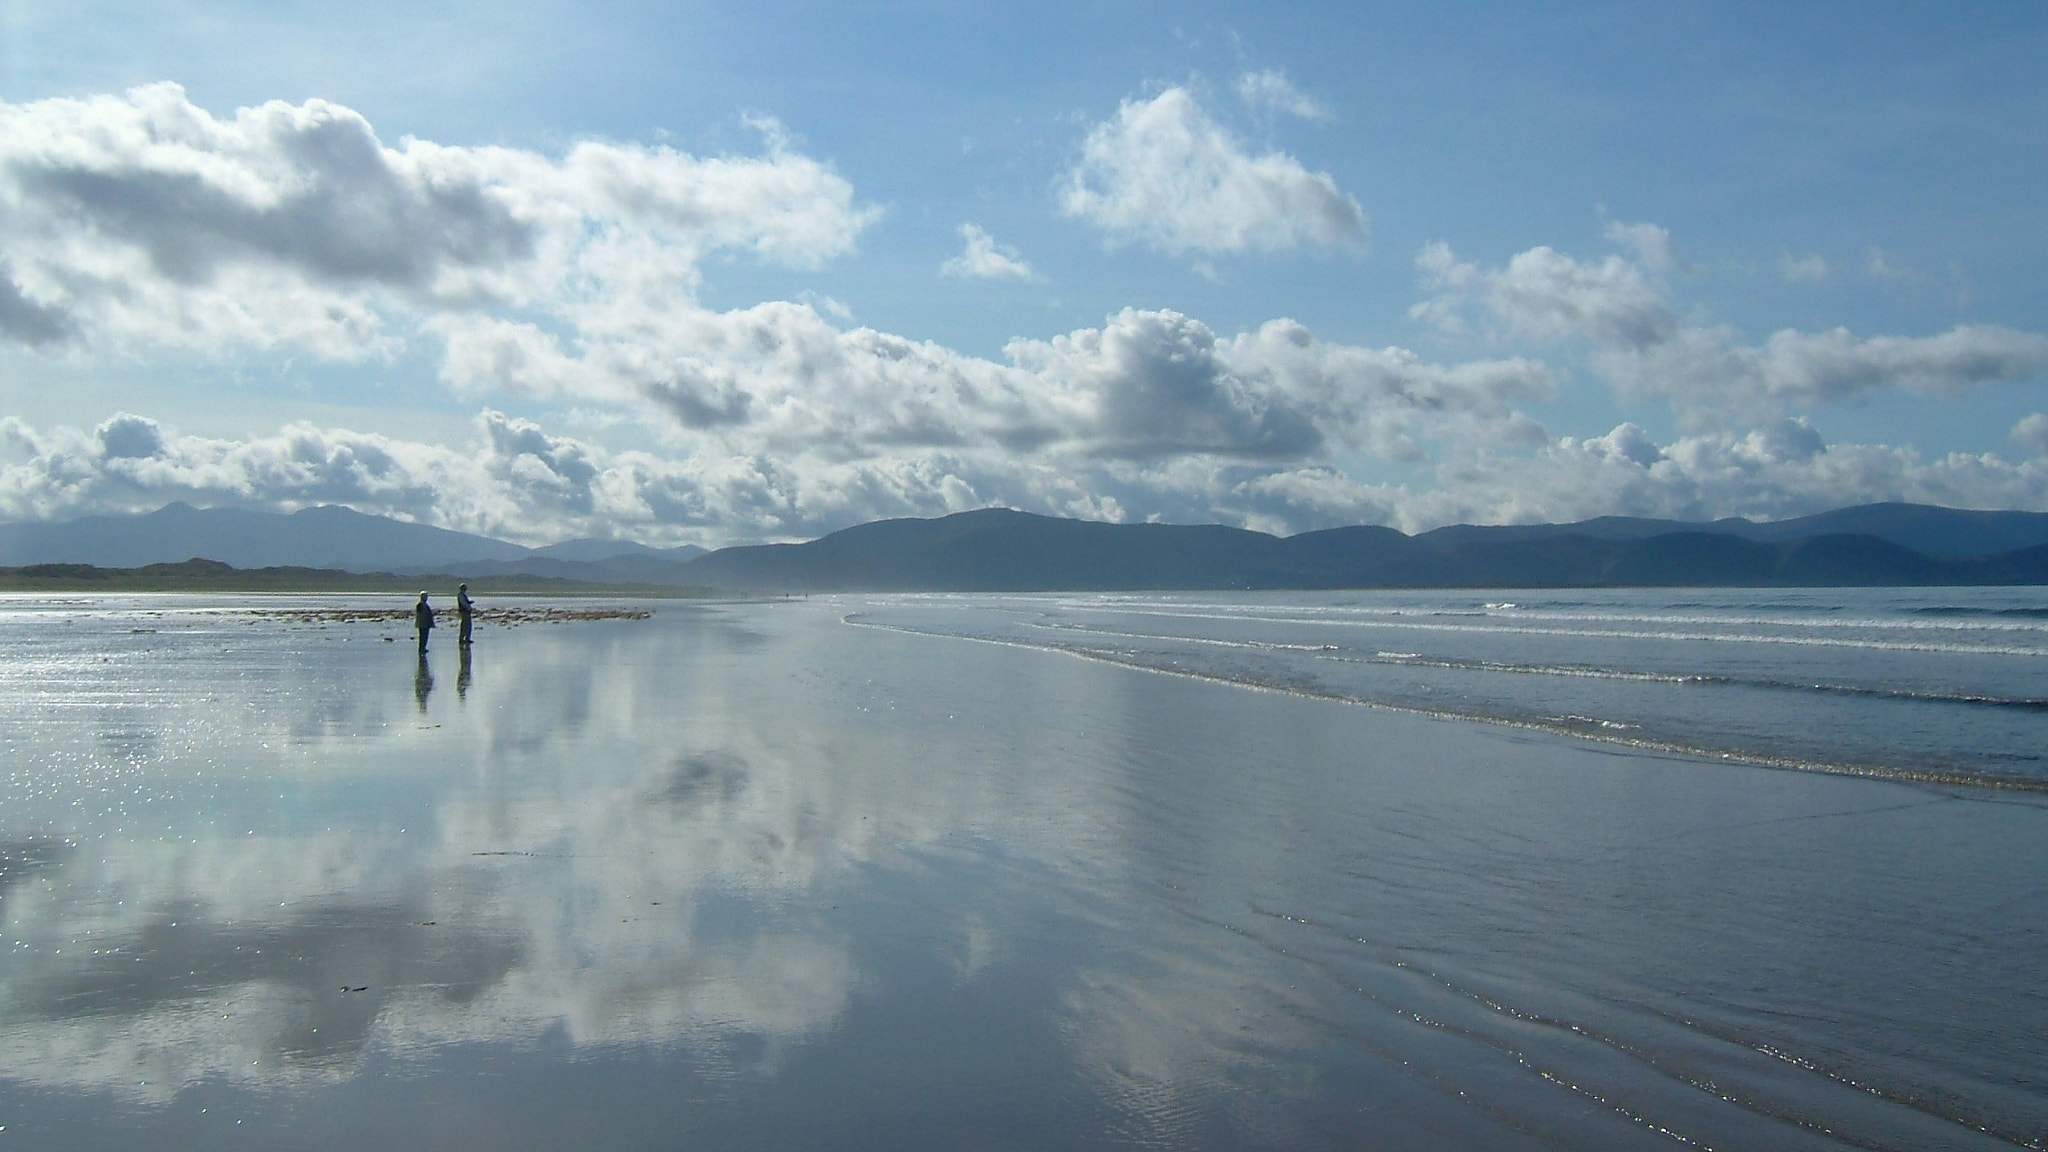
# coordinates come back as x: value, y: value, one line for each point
x: 1002, y: 550
x: 996, y: 549
x: 329, y: 536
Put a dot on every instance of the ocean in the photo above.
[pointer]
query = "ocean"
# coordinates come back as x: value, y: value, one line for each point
x: 1936, y: 684
x: 1724, y: 869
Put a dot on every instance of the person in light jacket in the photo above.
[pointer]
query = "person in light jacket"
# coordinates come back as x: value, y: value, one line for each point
x: 465, y: 613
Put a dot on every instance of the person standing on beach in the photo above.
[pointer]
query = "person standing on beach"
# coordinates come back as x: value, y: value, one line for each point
x: 423, y: 619
x: 465, y: 611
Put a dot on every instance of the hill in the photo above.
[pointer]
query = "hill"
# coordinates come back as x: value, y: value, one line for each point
x: 327, y: 537
x: 197, y: 575
x: 1001, y: 550
x: 1941, y: 532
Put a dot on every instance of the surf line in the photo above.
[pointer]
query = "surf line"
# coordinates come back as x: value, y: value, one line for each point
x: 1665, y: 747
x: 1416, y: 660
x: 1604, y: 633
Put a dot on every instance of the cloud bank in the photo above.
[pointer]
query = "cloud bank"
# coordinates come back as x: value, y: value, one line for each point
x: 516, y: 480
x: 1712, y: 379
x: 143, y: 222
x: 570, y: 284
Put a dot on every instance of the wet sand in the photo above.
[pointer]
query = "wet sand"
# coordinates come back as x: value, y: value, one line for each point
x: 741, y: 876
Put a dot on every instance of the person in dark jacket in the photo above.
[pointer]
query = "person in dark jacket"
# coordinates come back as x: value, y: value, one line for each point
x: 465, y: 611
x: 423, y: 619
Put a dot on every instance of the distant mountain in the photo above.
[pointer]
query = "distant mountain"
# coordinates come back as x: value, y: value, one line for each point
x: 598, y: 551
x: 1003, y: 550
x: 1947, y: 532
x: 656, y: 566
x: 1921, y: 527
x: 326, y: 537
x: 998, y: 549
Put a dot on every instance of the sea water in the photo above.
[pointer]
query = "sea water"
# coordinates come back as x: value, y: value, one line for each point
x: 1948, y: 683
x: 1388, y: 870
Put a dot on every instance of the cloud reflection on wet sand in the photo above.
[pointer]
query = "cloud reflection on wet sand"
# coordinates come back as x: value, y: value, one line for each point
x: 787, y: 881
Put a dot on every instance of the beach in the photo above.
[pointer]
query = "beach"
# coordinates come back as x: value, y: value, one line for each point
x: 877, y: 872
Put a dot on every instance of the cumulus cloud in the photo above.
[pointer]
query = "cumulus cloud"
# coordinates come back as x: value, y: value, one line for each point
x: 137, y: 223
x: 130, y: 437
x: 1623, y: 308
x: 518, y: 480
x: 984, y: 259
x: 1652, y: 243
x: 2032, y: 433
x: 1270, y: 91
x: 1710, y: 374
x: 776, y: 379
x: 143, y: 220
x: 1547, y: 295
x: 785, y: 426
x: 1779, y: 470
x: 1164, y: 173
x: 28, y: 321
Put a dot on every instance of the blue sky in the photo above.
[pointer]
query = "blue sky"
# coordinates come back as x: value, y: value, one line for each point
x: 723, y: 273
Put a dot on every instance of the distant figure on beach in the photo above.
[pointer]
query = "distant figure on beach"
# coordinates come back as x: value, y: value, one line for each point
x: 423, y: 619
x: 465, y: 609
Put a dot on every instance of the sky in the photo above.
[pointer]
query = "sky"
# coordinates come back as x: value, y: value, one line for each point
x: 717, y: 274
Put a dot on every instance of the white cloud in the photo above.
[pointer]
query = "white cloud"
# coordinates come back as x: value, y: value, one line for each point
x: 132, y: 224
x: 1706, y: 372
x: 1544, y: 294
x: 1780, y: 470
x: 2032, y: 433
x: 1164, y: 173
x: 984, y: 259
x: 143, y: 221
x: 1652, y: 244
x: 777, y: 380
x: 785, y: 426
x: 1487, y: 463
x: 1270, y: 91
x: 1711, y: 377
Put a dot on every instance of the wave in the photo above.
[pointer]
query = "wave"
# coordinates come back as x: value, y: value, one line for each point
x: 1949, y: 617
x: 1419, y: 660
x: 1971, y: 610
x: 1580, y: 727
x: 1957, y: 619
x: 1974, y: 699
x: 1207, y: 641
x: 1664, y: 635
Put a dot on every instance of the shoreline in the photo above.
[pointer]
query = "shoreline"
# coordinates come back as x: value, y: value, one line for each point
x: 1988, y: 781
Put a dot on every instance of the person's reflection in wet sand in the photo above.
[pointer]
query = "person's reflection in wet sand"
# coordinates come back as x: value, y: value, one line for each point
x: 462, y: 675
x: 422, y: 682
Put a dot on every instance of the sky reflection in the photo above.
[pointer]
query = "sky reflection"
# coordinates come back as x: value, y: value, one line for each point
x: 743, y: 874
